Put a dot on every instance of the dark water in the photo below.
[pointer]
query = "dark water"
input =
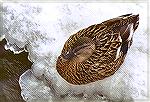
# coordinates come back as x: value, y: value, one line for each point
x: 11, y: 67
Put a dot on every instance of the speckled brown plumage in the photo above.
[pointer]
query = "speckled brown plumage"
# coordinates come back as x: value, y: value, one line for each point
x: 96, y: 52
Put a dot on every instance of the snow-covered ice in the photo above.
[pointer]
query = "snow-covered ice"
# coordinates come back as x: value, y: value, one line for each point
x: 42, y: 29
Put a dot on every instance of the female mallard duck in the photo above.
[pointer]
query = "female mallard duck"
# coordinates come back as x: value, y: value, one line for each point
x: 97, y: 51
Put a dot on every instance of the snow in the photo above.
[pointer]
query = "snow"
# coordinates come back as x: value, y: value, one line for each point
x: 43, y: 29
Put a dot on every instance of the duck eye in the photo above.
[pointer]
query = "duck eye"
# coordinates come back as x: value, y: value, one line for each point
x: 68, y: 55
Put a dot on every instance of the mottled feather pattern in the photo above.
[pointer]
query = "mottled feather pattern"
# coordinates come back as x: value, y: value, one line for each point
x: 97, y: 51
